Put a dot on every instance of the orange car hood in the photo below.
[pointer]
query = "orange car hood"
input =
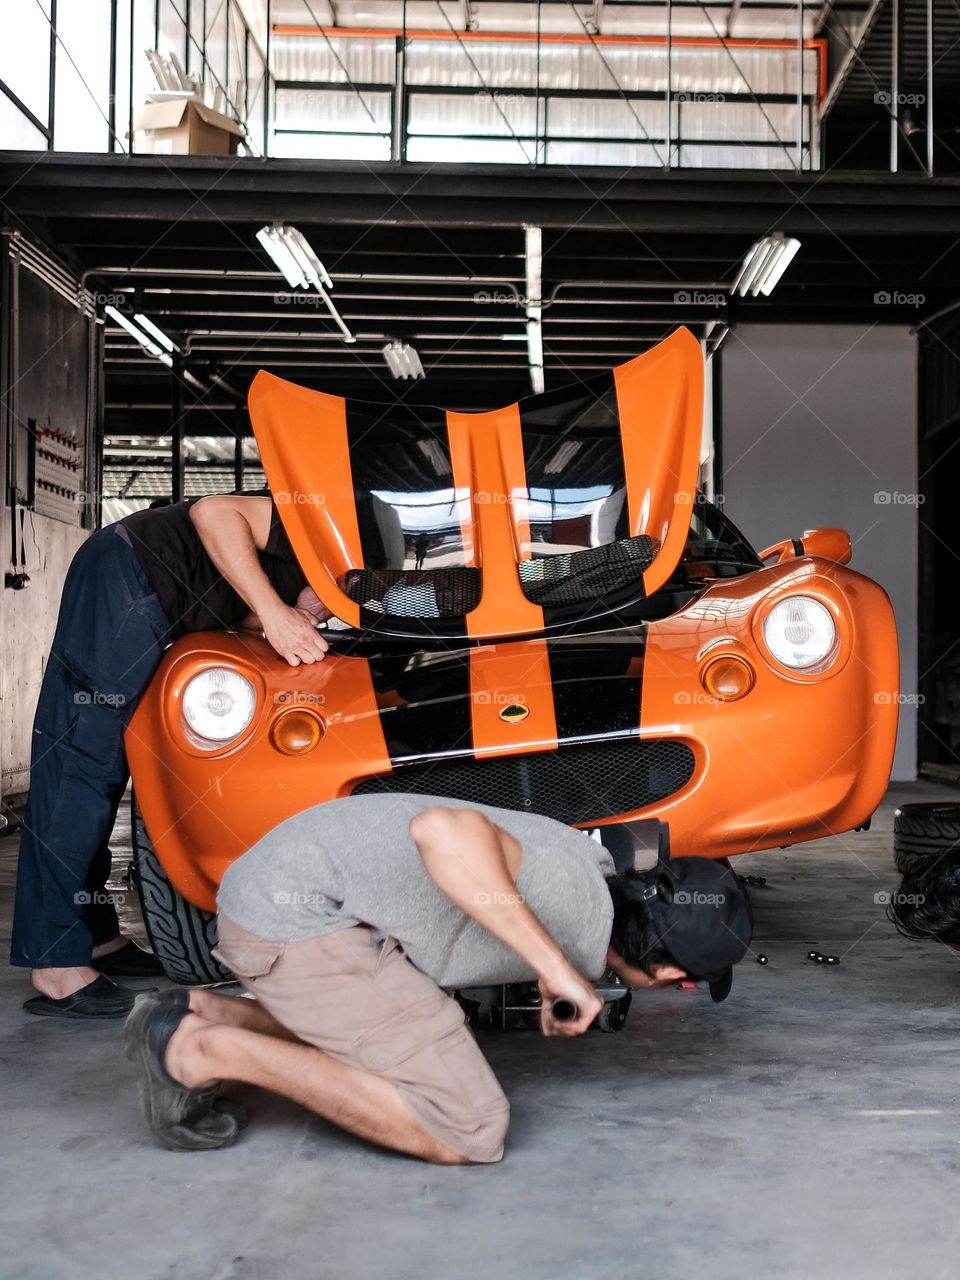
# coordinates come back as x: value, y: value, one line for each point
x: 557, y: 508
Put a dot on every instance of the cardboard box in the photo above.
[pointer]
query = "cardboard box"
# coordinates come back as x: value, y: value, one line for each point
x: 184, y: 127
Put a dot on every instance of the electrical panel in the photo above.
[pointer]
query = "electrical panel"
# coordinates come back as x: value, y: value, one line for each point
x: 58, y: 474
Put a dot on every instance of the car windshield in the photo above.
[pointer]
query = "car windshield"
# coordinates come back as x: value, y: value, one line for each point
x: 715, y: 547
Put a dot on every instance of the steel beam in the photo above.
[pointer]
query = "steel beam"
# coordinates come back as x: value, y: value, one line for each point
x: 218, y: 190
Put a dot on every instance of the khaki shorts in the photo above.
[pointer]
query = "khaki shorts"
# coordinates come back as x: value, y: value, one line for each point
x: 369, y: 1007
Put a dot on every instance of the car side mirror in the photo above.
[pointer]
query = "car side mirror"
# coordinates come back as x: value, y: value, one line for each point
x: 828, y: 544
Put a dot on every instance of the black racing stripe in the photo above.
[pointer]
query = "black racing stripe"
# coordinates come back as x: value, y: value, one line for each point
x: 424, y: 710
x: 586, y: 412
x: 361, y: 432
x: 594, y: 689
x: 398, y: 448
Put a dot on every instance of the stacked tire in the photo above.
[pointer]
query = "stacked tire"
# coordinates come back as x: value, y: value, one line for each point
x: 923, y: 835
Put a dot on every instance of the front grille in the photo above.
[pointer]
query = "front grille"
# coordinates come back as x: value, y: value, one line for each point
x: 576, y: 784
x: 586, y: 577
x: 415, y: 593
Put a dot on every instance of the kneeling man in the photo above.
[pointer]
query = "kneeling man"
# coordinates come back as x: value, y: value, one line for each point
x: 346, y: 923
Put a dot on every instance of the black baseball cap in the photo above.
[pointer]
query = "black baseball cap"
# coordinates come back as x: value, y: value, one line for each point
x: 708, y: 924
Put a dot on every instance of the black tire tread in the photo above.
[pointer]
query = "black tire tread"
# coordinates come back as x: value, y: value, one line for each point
x: 182, y: 935
x: 923, y: 834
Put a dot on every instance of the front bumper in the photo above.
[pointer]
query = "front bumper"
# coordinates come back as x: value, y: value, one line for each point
x: 614, y: 725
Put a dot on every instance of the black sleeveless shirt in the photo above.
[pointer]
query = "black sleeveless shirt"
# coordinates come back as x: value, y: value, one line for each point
x: 192, y: 592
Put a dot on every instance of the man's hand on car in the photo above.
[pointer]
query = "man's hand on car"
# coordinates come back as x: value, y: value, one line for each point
x: 292, y: 633
x: 567, y: 984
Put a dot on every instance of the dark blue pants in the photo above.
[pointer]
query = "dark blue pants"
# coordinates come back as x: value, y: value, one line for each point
x: 110, y: 635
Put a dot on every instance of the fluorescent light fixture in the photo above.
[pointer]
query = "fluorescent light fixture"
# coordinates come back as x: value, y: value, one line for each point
x: 534, y: 307
x: 155, y: 331
x: 291, y: 251
x: 151, y: 347
x: 402, y: 360
x: 300, y: 267
x: 308, y: 262
x: 283, y: 259
x: 765, y: 263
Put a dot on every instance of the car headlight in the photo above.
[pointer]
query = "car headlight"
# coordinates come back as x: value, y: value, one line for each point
x: 800, y: 632
x: 218, y: 704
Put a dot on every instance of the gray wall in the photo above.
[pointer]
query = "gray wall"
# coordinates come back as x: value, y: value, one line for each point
x: 27, y: 622
x: 49, y: 375
x: 814, y: 423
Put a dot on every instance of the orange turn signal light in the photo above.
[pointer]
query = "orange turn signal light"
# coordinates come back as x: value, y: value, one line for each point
x: 728, y: 678
x: 296, y: 732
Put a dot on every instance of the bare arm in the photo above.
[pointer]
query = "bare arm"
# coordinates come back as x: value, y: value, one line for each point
x: 665, y: 975
x: 233, y: 528
x: 475, y: 863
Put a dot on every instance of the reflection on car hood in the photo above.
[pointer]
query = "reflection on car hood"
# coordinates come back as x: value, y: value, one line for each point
x: 560, y: 508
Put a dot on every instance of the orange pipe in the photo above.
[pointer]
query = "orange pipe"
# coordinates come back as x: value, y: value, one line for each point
x: 514, y: 37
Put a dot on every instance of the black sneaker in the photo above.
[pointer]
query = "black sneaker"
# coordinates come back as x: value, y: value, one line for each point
x: 180, y: 1119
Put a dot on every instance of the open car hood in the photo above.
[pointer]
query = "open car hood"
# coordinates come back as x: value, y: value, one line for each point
x: 559, y: 508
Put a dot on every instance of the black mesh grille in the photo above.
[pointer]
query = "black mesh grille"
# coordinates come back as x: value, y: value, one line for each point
x: 415, y: 593
x: 577, y: 784
x: 583, y: 577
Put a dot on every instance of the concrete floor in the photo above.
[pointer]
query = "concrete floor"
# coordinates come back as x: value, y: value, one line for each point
x: 806, y: 1128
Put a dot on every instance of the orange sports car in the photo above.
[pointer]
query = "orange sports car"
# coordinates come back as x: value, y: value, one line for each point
x: 534, y: 608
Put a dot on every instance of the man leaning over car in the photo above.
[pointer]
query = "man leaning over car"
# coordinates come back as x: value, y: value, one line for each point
x: 211, y: 563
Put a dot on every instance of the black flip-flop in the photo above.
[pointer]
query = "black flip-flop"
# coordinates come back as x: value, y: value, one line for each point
x: 129, y: 961
x: 180, y: 1119
x: 98, y: 999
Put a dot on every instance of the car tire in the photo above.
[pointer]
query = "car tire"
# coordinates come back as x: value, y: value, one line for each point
x: 182, y: 935
x: 923, y: 834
